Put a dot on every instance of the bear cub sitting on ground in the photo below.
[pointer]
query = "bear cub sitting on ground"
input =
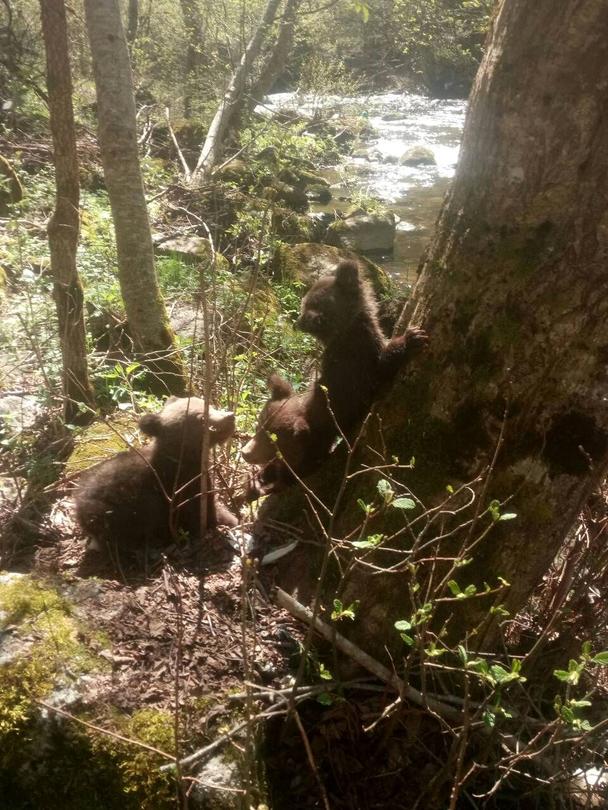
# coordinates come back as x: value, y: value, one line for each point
x: 295, y: 432
x: 358, y: 361
x: 147, y: 495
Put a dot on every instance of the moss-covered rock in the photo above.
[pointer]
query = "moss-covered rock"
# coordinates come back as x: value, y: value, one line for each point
x: 103, y: 440
x: 307, y: 262
x: 418, y: 156
x: 318, y: 193
x: 190, y: 249
x: 288, y: 195
x: 237, y: 171
x: 293, y: 227
x: 363, y: 231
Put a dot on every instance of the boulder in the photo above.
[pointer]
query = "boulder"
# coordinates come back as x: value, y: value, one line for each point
x: 307, y: 262
x: 237, y: 172
x: 363, y: 232
x: 190, y: 249
x: 418, y: 156
x: 289, y: 195
x: 293, y: 227
x: 318, y: 193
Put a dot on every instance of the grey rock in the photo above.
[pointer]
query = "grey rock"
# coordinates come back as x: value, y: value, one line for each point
x: 418, y: 156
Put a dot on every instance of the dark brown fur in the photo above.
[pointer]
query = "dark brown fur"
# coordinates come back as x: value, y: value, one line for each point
x: 148, y: 496
x: 304, y: 431
x: 358, y: 361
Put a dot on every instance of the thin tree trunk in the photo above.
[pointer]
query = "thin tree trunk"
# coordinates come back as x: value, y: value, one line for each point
x: 195, y: 38
x: 64, y: 224
x: 272, y: 68
x: 213, y: 145
x: 144, y: 306
x: 132, y: 21
x: 514, y: 296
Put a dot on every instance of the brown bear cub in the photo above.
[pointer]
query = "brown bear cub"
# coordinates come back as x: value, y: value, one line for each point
x: 295, y: 433
x: 147, y: 496
x: 358, y: 361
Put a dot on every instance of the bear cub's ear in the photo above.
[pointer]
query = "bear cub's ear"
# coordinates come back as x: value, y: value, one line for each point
x: 150, y: 424
x: 300, y: 427
x: 347, y: 276
x: 279, y: 388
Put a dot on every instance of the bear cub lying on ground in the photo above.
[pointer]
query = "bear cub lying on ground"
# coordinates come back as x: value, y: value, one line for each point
x: 358, y: 361
x: 147, y: 495
x: 295, y: 432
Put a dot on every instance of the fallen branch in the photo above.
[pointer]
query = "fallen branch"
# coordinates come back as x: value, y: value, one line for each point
x: 405, y: 691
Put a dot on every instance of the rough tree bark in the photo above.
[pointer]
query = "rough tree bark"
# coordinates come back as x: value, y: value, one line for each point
x: 64, y: 224
x: 514, y: 296
x: 146, y: 315
x: 213, y: 145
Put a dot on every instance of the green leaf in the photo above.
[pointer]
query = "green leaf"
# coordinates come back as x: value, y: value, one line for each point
x: 325, y: 699
x: 499, y: 610
x: 489, y: 719
x: 454, y: 587
x: 385, y: 489
x: 601, y: 659
x: 364, y: 506
x: 407, y: 639
x: 478, y: 665
x: 341, y: 612
x: 500, y: 674
x: 494, y: 510
x: 508, y: 516
x: 450, y: 489
x: 403, y: 624
x: 404, y: 503
x: 324, y: 673
x: 369, y: 542
x: 561, y: 674
x: 470, y: 590
x: 580, y: 704
x: 433, y: 651
x: 567, y: 714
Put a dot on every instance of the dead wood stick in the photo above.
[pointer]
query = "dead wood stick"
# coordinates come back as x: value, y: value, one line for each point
x: 405, y: 691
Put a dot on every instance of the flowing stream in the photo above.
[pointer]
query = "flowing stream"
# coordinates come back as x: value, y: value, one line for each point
x: 413, y: 193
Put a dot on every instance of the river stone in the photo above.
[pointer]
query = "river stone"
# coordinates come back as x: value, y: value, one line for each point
x: 309, y: 261
x: 318, y: 193
x: 364, y: 232
x: 418, y: 156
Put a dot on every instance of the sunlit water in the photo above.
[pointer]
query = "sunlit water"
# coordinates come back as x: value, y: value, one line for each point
x: 414, y: 193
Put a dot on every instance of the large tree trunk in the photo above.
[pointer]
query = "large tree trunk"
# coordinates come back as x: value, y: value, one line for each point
x: 144, y: 306
x: 214, y: 141
x: 64, y: 224
x: 514, y: 296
